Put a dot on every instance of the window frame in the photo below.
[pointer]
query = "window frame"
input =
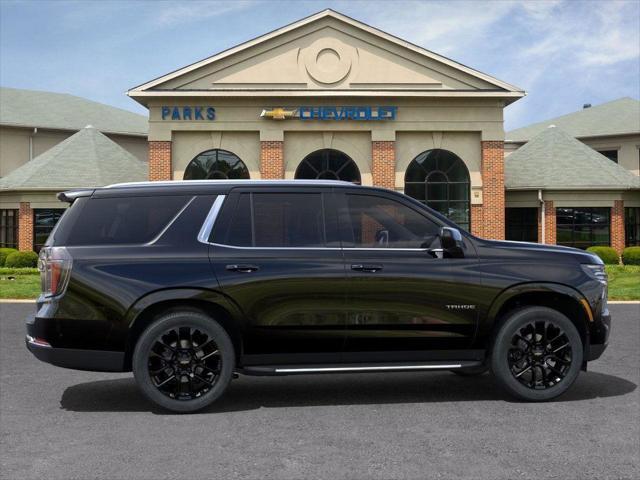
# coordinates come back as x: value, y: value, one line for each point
x: 325, y: 153
x: 346, y: 229
x: 635, y: 225
x: 590, y: 211
x: 522, y: 224
x: 37, y: 246
x: 9, y: 230
x: 219, y: 235
x: 217, y: 151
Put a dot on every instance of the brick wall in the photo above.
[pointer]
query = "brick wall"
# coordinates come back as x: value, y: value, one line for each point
x: 383, y: 164
x: 550, y: 223
x: 617, y: 226
x: 493, y: 189
x: 477, y: 221
x: 272, y: 159
x: 25, y: 227
x: 160, y: 160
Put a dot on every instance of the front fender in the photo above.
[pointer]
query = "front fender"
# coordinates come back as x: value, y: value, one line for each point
x: 530, y: 287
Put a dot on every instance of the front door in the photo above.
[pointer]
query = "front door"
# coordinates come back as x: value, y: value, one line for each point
x: 276, y: 254
x: 403, y: 302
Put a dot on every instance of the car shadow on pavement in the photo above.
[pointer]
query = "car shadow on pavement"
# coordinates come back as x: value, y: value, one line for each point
x: 249, y: 393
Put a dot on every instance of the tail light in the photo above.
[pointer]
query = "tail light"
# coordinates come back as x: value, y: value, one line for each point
x: 54, y: 264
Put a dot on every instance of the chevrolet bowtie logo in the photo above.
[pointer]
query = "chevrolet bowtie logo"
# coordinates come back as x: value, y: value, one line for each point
x: 278, y: 113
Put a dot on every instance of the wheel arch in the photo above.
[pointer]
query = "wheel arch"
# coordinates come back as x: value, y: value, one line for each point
x: 214, y: 304
x: 559, y: 297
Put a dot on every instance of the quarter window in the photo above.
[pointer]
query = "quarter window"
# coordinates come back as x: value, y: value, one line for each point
x: 120, y: 220
x: 377, y: 222
x: 583, y: 227
x: 278, y: 220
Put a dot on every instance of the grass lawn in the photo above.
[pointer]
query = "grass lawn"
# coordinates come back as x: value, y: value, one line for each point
x: 19, y: 283
x: 624, y: 282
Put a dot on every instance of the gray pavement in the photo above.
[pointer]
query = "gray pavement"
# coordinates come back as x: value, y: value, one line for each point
x: 63, y: 424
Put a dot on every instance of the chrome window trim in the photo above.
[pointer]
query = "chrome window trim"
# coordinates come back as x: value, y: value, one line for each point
x: 207, y: 226
x: 320, y: 248
x: 168, y: 225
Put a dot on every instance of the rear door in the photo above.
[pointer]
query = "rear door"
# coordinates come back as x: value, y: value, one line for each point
x: 276, y: 254
x: 403, y: 301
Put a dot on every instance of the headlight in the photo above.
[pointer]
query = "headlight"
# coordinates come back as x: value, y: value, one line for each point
x: 596, y: 272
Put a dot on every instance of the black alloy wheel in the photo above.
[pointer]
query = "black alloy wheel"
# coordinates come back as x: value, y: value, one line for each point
x: 537, y: 354
x: 184, y: 361
x: 540, y: 355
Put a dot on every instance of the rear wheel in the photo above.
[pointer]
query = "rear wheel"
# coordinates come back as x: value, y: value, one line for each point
x: 537, y: 354
x: 184, y: 361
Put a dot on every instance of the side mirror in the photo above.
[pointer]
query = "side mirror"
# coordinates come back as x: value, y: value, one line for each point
x: 452, y: 242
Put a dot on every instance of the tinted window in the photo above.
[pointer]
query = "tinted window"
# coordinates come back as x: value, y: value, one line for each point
x: 126, y: 220
x: 582, y: 227
x: 44, y: 220
x: 278, y: 220
x: 522, y: 224
x: 377, y: 222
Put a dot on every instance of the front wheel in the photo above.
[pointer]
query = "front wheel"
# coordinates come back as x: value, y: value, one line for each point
x: 537, y: 354
x: 183, y: 361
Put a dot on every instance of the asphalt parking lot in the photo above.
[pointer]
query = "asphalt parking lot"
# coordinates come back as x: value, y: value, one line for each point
x: 64, y: 424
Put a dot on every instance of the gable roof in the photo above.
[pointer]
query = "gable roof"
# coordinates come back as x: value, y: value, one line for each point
x: 553, y: 159
x: 86, y: 159
x: 61, y: 111
x: 154, y: 87
x: 618, y: 117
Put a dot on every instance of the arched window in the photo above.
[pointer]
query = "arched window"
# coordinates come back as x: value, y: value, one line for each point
x: 328, y: 164
x: 440, y: 179
x: 216, y: 165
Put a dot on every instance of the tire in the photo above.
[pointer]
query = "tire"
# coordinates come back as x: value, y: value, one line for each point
x: 193, y: 348
x: 471, y: 371
x: 537, y: 354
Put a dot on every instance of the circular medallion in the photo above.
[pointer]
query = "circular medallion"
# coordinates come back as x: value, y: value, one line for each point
x: 328, y: 61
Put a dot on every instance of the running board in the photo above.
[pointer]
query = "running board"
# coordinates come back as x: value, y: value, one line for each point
x: 356, y: 367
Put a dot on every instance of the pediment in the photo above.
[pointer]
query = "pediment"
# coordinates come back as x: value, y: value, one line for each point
x: 330, y: 52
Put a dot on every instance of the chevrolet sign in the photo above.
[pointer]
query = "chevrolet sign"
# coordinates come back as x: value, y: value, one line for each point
x: 365, y: 113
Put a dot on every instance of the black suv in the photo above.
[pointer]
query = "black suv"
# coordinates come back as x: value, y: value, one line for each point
x: 189, y: 283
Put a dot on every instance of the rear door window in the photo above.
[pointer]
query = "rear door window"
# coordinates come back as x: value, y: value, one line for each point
x: 121, y: 220
x: 278, y: 220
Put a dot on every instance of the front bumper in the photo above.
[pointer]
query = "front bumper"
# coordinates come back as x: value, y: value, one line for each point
x: 600, y: 337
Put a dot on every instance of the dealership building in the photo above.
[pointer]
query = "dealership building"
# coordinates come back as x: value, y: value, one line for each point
x: 329, y: 97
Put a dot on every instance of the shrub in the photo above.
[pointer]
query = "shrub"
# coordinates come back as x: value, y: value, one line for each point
x: 608, y: 255
x: 631, y: 256
x: 4, y: 253
x: 21, y: 260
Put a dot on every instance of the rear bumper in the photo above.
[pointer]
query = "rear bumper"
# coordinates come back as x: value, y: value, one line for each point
x: 37, y: 342
x: 600, y: 337
x: 92, y: 360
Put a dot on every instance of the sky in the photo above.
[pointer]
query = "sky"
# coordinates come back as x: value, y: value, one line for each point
x: 564, y: 53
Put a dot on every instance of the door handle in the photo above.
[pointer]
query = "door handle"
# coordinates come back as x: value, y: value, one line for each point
x: 366, y: 268
x: 243, y: 268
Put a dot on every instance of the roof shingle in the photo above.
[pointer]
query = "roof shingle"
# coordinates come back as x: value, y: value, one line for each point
x: 61, y: 111
x: 553, y: 159
x: 618, y: 117
x: 85, y: 159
